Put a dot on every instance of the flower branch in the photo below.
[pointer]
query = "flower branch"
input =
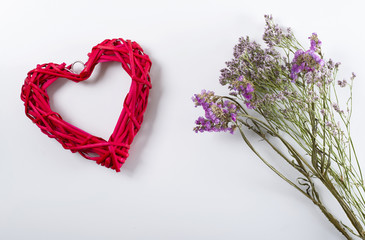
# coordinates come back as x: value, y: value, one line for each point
x: 289, y: 93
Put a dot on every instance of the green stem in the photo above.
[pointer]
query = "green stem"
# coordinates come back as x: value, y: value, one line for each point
x: 350, y: 214
x: 333, y: 220
x: 318, y: 203
x: 269, y: 165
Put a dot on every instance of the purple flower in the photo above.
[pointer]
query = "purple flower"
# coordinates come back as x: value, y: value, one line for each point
x: 242, y: 87
x: 342, y: 83
x: 219, y: 115
x: 309, y: 60
x: 315, y: 42
x: 249, y: 88
x: 249, y: 105
x: 274, y: 35
x: 353, y: 76
x: 305, y: 62
x: 337, y: 108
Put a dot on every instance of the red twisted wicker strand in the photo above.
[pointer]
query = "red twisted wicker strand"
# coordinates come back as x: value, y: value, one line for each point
x: 111, y: 153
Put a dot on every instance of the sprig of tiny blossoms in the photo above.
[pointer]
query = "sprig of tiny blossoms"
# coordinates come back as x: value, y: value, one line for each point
x: 287, y: 92
x: 218, y: 113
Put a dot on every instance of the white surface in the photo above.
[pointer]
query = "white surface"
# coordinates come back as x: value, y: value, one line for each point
x: 175, y: 184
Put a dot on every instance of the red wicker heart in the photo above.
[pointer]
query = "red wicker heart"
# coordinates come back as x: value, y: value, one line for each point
x: 111, y: 153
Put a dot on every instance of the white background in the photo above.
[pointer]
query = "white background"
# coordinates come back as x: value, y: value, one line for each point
x: 176, y: 184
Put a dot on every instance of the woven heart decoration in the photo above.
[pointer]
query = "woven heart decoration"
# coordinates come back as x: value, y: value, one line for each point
x: 112, y: 153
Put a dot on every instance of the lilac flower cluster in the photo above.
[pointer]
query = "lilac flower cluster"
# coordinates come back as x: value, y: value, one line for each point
x: 307, y: 61
x: 353, y: 76
x: 274, y: 35
x: 262, y: 78
x: 342, y: 83
x: 220, y: 115
x: 257, y: 75
x: 244, y: 88
x: 335, y: 129
x: 251, y: 70
x: 252, y: 62
x: 331, y: 65
x: 315, y: 43
x: 337, y: 108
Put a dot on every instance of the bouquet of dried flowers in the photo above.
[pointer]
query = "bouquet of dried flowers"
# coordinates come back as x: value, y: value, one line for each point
x: 288, y: 96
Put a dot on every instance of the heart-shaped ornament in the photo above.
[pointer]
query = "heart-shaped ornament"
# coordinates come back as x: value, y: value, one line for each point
x: 111, y: 153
